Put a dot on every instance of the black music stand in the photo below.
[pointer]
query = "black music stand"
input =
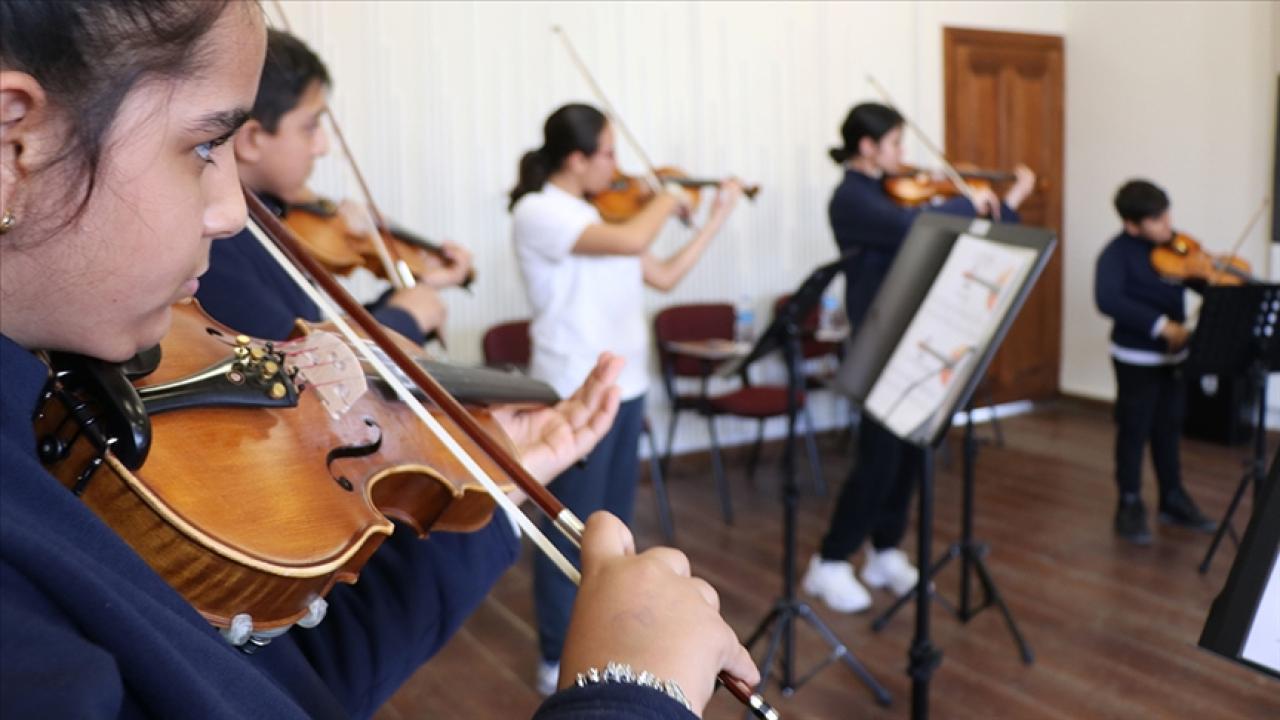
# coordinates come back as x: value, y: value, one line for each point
x: 1237, y: 334
x: 786, y: 333
x: 1232, y: 629
x: 972, y: 554
x: 883, y: 336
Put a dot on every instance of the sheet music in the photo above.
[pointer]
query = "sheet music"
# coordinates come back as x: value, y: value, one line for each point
x: 1262, y: 644
x: 960, y: 314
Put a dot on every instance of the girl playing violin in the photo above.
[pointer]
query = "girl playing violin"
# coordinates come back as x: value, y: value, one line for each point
x: 276, y: 153
x: 116, y: 176
x: 585, y: 280
x: 875, y: 499
x: 1148, y: 346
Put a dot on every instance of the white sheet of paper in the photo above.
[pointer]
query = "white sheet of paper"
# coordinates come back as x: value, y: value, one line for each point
x: 959, y: 316
x: 1262, y: 644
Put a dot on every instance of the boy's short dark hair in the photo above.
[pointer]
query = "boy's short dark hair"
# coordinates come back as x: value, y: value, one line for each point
x: 1139, y: 200
x: 289, y: 70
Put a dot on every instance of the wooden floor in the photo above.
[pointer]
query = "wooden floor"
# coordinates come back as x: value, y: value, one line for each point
x: 1113, y: 626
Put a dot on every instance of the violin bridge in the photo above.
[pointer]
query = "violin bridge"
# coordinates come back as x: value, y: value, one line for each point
x: 325, y: 362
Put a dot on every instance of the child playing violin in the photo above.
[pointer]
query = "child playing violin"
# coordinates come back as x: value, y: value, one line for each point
x: 116, y: 176
x: 1148, y: 346
x: 875, y: 499
x: 585, y: 281
x: 276, y: 152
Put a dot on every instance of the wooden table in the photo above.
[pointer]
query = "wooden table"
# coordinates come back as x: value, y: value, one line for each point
x: 714, y: 349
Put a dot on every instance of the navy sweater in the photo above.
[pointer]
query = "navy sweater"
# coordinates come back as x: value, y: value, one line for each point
x: 247, y: 290
x: 1128, y: 290
x: 863, y: 217
x: 88, y: 630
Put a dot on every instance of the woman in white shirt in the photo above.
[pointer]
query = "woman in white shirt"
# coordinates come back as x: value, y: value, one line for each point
x: 584, y: 279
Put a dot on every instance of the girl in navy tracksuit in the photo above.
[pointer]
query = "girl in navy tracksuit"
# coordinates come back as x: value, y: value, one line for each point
x: 864, y: 218
x: 115, y: 177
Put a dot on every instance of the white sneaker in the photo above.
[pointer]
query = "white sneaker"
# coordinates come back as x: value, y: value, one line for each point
x: 890, y: 568
x: 834, y: 583
x: 548, y: 678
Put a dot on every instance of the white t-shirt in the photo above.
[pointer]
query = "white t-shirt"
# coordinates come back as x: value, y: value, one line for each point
x: 582, y: 304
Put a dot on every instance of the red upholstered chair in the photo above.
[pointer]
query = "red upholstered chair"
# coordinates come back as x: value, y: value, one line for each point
x: 760, y: 402
x: 507, y: 345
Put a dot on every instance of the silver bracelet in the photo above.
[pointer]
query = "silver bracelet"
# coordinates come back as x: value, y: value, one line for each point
x: 622, y: 673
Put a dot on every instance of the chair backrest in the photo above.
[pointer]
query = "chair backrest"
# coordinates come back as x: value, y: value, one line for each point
x: 507, y: 345
x: 704, y: 321
x: 810, y: 348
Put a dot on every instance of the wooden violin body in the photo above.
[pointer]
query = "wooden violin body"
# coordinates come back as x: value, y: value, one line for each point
x: 234, y: 479
x: 912, y: 186
x: 1183, y: 258
x: 627, y: 194
x: 329, y: 238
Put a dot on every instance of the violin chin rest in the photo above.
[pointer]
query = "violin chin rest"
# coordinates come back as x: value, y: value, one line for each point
x: 142, y: 364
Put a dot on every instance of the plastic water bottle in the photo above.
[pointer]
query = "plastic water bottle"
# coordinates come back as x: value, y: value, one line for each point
x: 828, y: 320
x: 744, y: 321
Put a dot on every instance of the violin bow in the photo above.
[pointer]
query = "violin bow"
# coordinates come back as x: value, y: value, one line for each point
x: 397, y: 270
x: 654, y: 181
x: 1221, y: 262
x: 952, y: 174
x: 288, y: 251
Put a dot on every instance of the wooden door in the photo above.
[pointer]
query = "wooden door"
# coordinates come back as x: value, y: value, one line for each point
x: 1004, y: 105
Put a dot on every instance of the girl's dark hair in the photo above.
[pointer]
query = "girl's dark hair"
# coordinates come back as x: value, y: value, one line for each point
x: 290, y: 69
x: 572, y: 128
x: 1138, y: 200
x: 88, y: 55
x: 871, y: 120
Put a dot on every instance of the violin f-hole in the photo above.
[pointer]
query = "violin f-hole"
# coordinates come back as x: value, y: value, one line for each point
x: 354, y: 451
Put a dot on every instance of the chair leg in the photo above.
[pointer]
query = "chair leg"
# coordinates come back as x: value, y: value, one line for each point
x: 754, y: 458
x: 815, y: 466
x: 995, y: 425
x: 671, y: 438
x: 995, y: 418
x: 660, y: 489
x: 717, y: 467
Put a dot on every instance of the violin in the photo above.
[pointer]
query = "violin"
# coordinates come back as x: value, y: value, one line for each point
x: 330, y: 463
x: 912, y: 186
x: 184, y: 450
x: 331, y: 240
x: 628, y: 194
x: 1183, y: 259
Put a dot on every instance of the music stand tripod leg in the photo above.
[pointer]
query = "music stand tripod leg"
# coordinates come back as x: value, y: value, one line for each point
x: 1255, y: 473
x: 993, y: 597
x: 972, y: 556
x: 788, y: 607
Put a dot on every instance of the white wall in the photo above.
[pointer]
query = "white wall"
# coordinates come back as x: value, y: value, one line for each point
x: 1182, y: 94
x: 439, y: 100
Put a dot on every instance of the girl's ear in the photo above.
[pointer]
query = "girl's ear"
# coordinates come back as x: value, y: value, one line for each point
x: 867, y: 147
x: 28, y: 137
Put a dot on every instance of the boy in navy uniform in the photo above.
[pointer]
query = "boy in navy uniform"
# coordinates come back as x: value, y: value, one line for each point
x: 1148, y: 346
